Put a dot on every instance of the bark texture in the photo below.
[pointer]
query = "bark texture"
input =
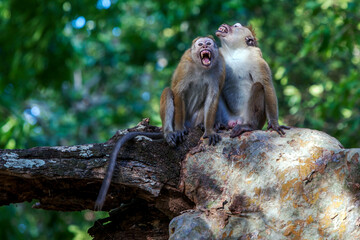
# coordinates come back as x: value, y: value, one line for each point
x: 68, y: 178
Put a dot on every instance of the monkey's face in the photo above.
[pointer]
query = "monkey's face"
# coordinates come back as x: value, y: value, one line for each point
x: 236, y: 36
x: 204, y: 51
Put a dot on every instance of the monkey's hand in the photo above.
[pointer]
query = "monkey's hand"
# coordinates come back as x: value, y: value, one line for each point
x: 240, y: 129
x: 180, y: 135
x: 278, y: 128
x: 172, y: 138
x: 213, y: 138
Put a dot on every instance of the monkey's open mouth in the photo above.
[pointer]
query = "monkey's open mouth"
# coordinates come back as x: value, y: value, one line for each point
x: 205, y: 56
x: 222, y: 31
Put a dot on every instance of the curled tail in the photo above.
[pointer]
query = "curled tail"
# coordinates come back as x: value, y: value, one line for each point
x: 110, y: 170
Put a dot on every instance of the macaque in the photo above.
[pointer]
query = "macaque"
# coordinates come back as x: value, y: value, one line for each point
x: 192, y: 100
x: 248, y: 97
x: 194, y: 94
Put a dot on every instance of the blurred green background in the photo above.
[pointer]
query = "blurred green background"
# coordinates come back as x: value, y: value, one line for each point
x: 74, y: 72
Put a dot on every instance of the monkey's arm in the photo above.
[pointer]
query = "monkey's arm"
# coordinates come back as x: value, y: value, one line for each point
x: 179, y: 119
x: 167, y: 116
x: 211, y: 105
x: 271, y: 104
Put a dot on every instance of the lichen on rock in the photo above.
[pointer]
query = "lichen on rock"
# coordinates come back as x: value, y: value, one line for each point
x: 263, y: 186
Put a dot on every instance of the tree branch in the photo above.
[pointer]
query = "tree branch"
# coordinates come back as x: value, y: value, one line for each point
x: 68, y: 178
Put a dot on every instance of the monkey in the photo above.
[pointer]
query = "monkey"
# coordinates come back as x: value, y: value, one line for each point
x: 248, y: 97
x: 191, y: 100
x: 194, y: 94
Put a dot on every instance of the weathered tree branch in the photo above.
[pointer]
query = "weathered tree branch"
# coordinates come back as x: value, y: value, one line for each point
x: 68, y: 178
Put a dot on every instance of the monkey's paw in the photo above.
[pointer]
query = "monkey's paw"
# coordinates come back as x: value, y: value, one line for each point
x: 171, y: 139
x: 240, y: 129
x: 278, y: 128
x: 213, y: 138
x: 180, y: 135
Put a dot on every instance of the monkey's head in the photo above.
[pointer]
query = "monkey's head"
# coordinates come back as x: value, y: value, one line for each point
x: 204, y: 51
x: 236, y: 36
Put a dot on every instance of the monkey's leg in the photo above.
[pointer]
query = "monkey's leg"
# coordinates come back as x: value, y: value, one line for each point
x: 278, y: 128
x: 256, y: 112
x: 180, y: 120
x: 198, y: 119
x: 222, y: 117
x: 210, y: 109
x: 167, y: 114
x: 167, y: 111
x: 218, y: 126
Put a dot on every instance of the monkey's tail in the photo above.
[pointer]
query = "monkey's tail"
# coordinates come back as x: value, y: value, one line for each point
x: 110, y: 170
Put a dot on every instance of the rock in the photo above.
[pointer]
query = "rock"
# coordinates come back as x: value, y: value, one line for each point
x: 304, y: 185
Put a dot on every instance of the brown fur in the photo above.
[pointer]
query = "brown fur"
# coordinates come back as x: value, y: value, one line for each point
x: 202, y: 85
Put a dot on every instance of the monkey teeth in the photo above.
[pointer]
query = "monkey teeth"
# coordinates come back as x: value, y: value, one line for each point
x: 223, y: 29
x: 205, y: 56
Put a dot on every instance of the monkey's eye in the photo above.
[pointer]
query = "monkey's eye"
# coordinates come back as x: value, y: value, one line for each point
x: 200, y: 44
x: 237, y: 25
x: 208, y: 43
x: 250, y: 41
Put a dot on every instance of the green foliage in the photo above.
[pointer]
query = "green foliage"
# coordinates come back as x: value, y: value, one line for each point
x: 73, y: 72
x: 22, y: 222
